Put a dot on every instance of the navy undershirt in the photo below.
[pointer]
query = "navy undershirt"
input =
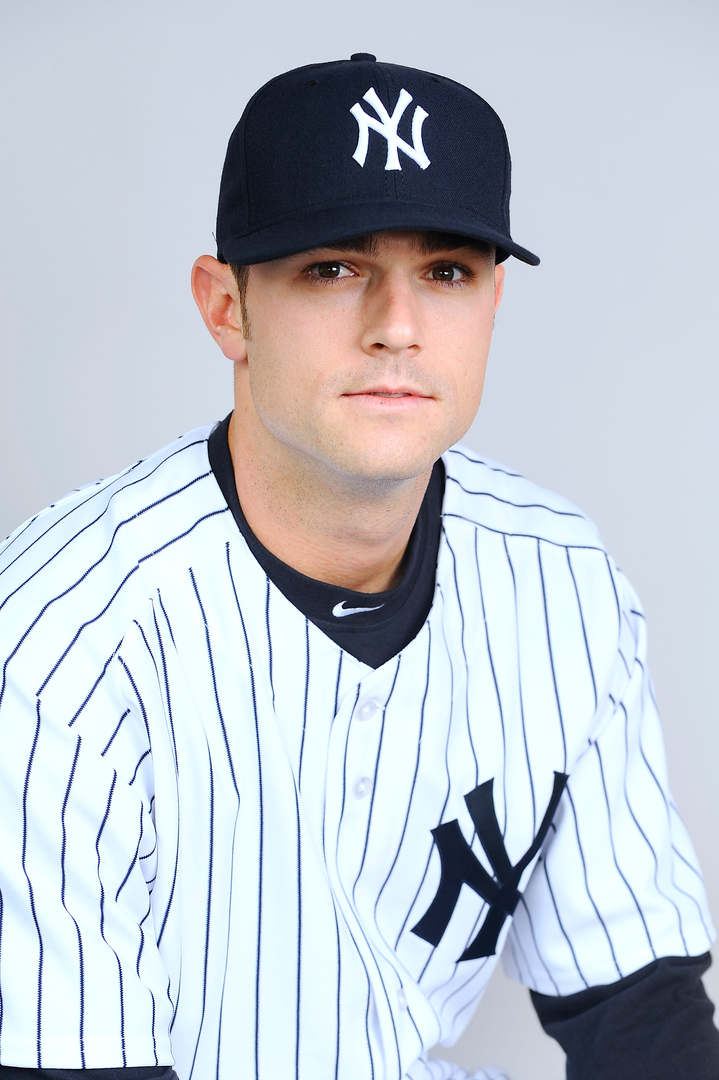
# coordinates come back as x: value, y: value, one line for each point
x: 395, y: 617
x: 655, y: 1024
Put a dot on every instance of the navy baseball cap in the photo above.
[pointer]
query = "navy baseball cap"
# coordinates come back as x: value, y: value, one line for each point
x: 330, y: 151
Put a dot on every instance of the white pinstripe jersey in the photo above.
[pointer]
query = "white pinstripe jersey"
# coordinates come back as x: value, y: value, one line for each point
x: 216, y: 824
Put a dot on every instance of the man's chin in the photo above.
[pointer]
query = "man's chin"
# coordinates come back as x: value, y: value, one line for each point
x: 374, y: 470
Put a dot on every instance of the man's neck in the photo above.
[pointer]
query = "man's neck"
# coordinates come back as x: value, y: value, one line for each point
x: 329, y: 529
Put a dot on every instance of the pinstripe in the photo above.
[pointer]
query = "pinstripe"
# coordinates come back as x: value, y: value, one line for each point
x: 414, y: 781
x: 92, y: 690
x: 30, y: 889
x: 210, y: 854
x: 214, y: 681
x: 464, y: 657
x: 567, y: 938
x: 339, y: 986
x: 269, y: 641
x: 261, y: 813
x: 411, y: 905
x: 130, y: 868
x: 375, y: 775
x: 2, y: 1009
x: 102, y: 921
x: 586, y: 882
x: 324, y: 799
x: 307, y: 691
x: 494, y: 677
x: 112, y: 737
x: 676, y: 851
x: 134, y: 775
x: 513, y: 944
x: 519, y: 690
x: 520, y: 535
x: 614, y: 852
x: 546, y: 967
x: 642, y: 833
x: 344, y: 776
x: 299, y: 919
x: 584, y: 626
x: 227, y: 950
x: 166, y: 914
x: 137, y: 695
x: 446, y: 798
x: 551, y: 656
x: 165, y: 676
x: 137, y: 969
x: 517, y: 506
x: 455, y: 452
x: 492, y: 669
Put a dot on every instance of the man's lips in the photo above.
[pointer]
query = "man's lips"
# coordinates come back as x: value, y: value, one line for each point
x: 388, y: 392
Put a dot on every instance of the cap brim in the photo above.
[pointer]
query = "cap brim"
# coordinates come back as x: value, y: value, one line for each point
x: 321, y: 227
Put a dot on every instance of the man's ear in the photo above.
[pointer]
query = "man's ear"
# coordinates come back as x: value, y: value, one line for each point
x: 215, y: 291
x: 498, y: 285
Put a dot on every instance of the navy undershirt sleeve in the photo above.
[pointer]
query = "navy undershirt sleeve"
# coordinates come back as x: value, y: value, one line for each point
x: 656, y: 1024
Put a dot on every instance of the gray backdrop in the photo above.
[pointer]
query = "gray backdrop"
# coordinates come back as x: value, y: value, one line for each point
x: 603, y: 377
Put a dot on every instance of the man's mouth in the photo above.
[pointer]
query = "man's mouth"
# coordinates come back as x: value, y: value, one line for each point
x: 388, y: 392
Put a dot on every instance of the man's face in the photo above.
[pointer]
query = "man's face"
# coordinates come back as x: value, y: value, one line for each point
x: 367, y: 359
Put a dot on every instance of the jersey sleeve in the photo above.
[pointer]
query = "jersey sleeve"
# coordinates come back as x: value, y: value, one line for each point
x: 617, y: 885
x: 81, y: 981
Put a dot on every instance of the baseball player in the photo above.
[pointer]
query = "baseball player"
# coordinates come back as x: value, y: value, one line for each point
x: 308, y: 717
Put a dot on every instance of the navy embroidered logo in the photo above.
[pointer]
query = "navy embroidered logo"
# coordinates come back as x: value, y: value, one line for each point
x: 387, y: 126
x: 460, y: 866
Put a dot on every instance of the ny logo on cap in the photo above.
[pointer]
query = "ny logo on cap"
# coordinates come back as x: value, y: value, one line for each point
x: 387, y: 127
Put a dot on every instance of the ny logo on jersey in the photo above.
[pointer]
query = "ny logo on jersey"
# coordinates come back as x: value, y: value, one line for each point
x: 460, y: 866
x: 387, y: 127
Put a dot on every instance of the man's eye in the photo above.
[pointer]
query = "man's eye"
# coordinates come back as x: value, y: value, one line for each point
x: 329, y: 270
x: 446, y: 273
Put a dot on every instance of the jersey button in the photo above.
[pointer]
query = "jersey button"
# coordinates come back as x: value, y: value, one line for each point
x: 367, y: 709
x: 402, y: 1000
x: 362, y: 787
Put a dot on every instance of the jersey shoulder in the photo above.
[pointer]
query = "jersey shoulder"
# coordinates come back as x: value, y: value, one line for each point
x: 101, y: 531
x: 491, y: 496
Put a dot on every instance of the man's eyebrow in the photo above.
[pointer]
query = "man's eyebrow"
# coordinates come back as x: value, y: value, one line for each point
x: 359, y: 245
x: 429, y: 244
x: 433, y: 242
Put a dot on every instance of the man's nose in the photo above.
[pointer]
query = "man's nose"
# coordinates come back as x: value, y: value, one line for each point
x: 393, y: 321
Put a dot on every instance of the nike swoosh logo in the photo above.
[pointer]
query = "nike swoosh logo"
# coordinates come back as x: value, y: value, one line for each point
x: 339, y: 610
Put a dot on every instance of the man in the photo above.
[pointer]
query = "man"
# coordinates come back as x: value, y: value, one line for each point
x: 309, y: 716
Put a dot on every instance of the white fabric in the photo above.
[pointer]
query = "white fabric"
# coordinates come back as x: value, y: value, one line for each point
x: 189, y: 870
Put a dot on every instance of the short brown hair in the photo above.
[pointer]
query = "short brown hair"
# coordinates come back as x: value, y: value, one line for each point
x: 241, y: 275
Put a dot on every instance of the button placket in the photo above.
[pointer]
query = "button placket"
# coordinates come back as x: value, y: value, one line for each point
x: 365, y: 710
